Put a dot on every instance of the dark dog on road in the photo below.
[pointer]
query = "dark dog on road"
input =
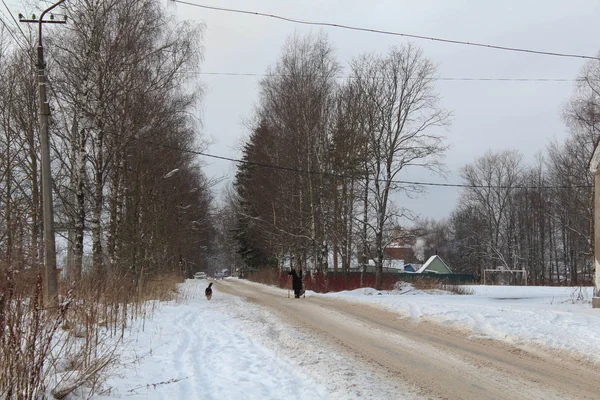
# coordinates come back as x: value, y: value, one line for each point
x: 208, y: 291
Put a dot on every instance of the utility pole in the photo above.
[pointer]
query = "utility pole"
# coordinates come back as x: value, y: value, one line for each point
x: 594, y: 167
x: 48, y: 211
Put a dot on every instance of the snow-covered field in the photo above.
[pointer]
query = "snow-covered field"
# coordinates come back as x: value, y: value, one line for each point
x: 228, y: 349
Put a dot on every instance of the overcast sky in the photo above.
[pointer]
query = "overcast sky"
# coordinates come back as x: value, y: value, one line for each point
x: 486, y: 115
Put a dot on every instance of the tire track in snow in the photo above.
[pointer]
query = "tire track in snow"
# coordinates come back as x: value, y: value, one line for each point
x: 188, y: 370
x: 346, y: 376
x: 258, y: 369
x: 441, y: 362
x: 206, y: 346
x: 198, y: 358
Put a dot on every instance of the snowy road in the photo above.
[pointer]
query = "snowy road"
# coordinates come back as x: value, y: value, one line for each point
x: 252, y: 342
x: 425, y: 359
x: 223, y: 349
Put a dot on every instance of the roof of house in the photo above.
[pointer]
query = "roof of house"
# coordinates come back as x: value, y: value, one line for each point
x: 435, y: 264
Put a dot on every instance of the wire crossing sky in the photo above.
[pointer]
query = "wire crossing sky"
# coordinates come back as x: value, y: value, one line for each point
x: 371, y: 30
x: 442, y: 78
x: 505, y: 98
x: 501, y: 97
x: 417, y: 183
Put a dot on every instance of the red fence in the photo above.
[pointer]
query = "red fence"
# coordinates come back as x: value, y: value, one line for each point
x: 339, y: 282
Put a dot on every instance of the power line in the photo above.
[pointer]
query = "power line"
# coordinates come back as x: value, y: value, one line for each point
x: 418, y: 183
x: 15, y: 21
x: 371, y: 30
x: 474, y: 79
x: 16, y: 41
x: 13, y: 36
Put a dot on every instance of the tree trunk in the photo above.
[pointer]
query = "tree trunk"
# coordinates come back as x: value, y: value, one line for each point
x: 365, y: 244
x: 77, y: 264
x: 98, y: 200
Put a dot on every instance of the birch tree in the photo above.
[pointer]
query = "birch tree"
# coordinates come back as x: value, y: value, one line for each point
x: 124, y: 84
x: 296, y: 113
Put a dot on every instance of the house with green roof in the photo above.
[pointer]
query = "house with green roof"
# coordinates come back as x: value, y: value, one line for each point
x: 435, y: 265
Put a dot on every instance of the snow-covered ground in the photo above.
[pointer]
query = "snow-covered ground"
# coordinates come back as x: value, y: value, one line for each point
x: 557, y: 317
x: 199, y: 349
x: 228, y: 349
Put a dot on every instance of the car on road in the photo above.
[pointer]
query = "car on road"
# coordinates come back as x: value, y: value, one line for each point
x: 200, y: 275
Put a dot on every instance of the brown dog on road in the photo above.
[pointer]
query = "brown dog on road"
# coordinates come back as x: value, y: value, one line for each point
x: 208, y: 291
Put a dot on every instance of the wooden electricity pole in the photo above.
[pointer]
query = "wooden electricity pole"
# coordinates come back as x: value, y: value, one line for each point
x: 48, y: 211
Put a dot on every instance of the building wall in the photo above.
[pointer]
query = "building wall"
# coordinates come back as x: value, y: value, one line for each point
x: 438, y: 266
x: 400, y: 253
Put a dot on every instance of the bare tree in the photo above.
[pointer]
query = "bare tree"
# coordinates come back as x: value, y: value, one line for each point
x: 401, y: 116
x: 349, y: 156
x: 127, y: 103
x: 19, y: 184
x: 492, y: 179
x: 294, y: 122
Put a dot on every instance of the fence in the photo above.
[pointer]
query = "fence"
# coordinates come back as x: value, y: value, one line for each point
x: 351, y: 281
